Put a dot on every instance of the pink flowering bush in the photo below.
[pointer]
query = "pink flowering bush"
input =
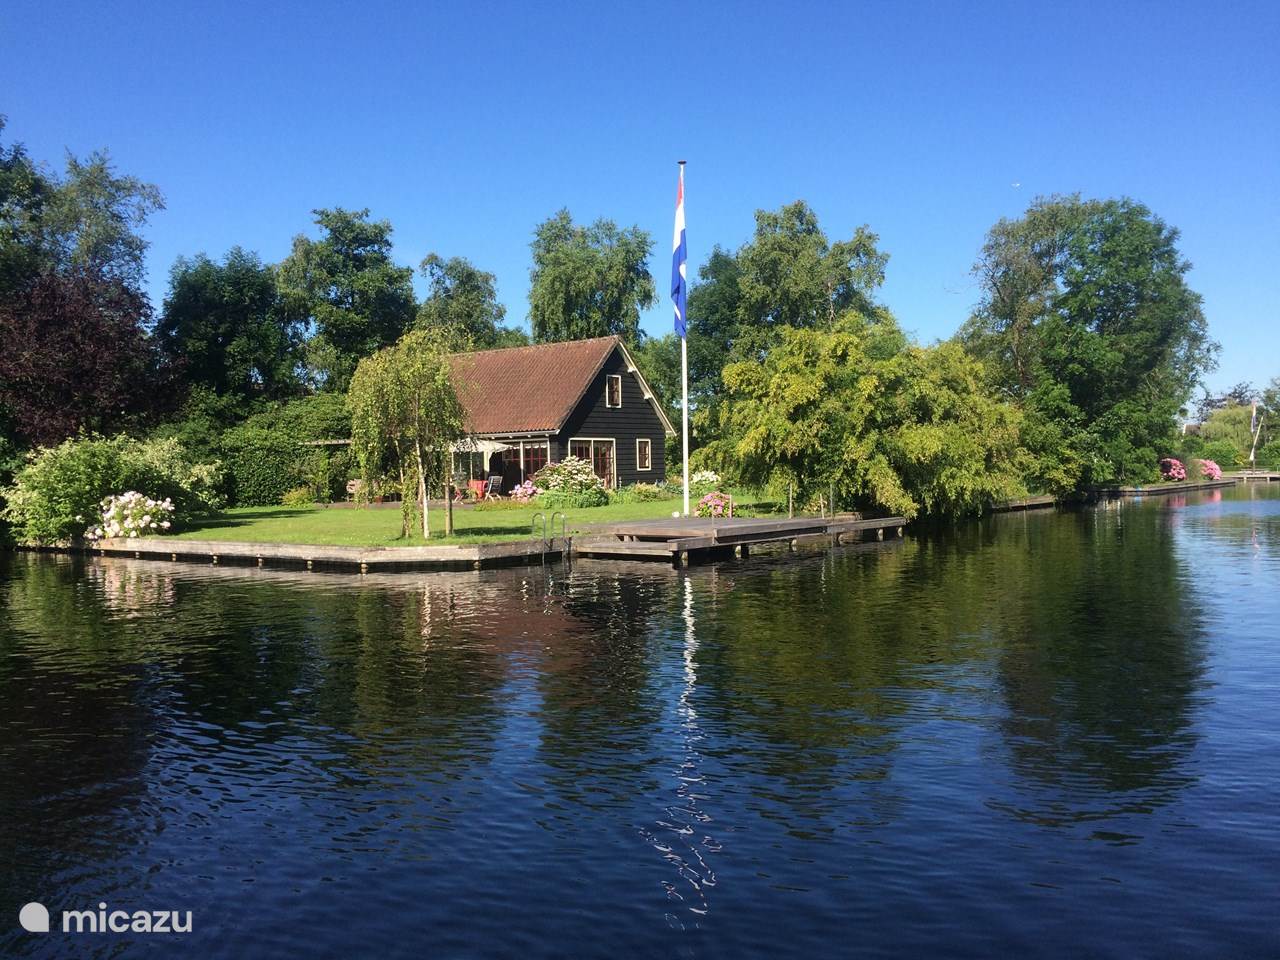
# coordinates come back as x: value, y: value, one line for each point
x: 132, y: 514
x: 525, y: 492
x: 1208, y: 469
x: 715, y: 504
x: 1172, y: 469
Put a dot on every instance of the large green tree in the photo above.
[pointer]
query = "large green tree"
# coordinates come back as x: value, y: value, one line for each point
x: 1087, y: 319
x: 463, y: 299
x: 790, y: 274
x: 224, y: 322
x: 588, y: 281
x: 89, y: 219
x: 915, y: 430
x: 346, y: 287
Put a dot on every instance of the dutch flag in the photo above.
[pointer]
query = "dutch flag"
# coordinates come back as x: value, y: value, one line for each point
x: 679, y: 255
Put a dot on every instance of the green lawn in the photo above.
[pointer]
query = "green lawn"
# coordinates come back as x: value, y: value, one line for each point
x: 379, y: 527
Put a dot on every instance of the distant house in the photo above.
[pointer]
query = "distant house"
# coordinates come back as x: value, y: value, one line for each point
x: 529, y: 406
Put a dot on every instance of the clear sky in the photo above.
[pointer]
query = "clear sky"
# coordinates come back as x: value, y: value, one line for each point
x: 467, y: 123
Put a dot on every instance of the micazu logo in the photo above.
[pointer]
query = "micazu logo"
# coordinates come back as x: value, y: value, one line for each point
x: 34, y: 918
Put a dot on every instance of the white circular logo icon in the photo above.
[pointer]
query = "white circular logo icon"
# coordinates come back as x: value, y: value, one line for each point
x: 34, y: 918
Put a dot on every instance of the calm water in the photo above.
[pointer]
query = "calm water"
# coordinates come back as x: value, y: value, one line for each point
x: 1047, y: 735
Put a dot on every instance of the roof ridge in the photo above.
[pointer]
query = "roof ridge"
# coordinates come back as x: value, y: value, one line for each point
x: 537, y: 346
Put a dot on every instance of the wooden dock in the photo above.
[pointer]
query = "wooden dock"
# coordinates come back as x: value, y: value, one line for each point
x: 681, y: 540
x: 1159, y: 489
x: 1257, y: 476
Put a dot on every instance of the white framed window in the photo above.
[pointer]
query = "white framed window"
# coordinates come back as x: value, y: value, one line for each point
x: 601, y: 453
x: 644, y: 454
x: 613, y: 390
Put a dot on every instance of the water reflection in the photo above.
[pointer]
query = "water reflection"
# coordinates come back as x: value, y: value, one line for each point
x: 710, y: 753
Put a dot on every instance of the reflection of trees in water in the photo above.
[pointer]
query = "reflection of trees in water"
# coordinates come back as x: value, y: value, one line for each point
x: 74, y: 746
x: 1101, y: 666
x: 599, y: 704
x: 824, y: 667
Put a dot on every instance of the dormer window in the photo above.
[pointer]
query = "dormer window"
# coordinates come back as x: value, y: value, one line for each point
x: 613, y: 390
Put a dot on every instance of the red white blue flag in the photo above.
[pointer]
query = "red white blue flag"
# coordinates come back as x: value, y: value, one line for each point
x: 679, y: 256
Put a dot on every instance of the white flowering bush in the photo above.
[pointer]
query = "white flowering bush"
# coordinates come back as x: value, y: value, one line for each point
x: 570, y: 475
x: 132, y: 514
x: 704, y: 481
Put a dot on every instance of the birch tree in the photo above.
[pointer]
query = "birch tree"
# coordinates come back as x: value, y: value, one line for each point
x: 405, y: 415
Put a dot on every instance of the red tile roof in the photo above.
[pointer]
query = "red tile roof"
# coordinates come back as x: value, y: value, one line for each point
x: 527, y: 389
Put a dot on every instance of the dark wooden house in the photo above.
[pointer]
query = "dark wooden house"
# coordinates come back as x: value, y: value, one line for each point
x: 534, y: 405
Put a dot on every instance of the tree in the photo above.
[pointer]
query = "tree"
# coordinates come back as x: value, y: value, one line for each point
x: 918, y: 431
x: 74, y: 357
x: 95, y: 217
x: 404, y: 416
x: 588, y: 281
x: 24, y: 193
x: 463, y: 299
x: 224, y: 321
x: 788, y: 275
x: 1087, y: 320
x: 90, y: 219
x: 346, y: 286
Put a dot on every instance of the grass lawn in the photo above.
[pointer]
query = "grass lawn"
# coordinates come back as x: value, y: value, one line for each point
x: 380, y: 527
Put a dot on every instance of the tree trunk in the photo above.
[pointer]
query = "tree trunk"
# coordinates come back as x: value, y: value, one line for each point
x: 422, y: 490
x: 448, y: 501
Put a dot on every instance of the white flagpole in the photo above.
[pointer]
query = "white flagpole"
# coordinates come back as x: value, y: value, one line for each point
x: 684, y: 383
x: 684, y: 416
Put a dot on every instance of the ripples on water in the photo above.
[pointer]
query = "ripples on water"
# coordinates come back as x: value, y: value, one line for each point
x: 1050, y: 734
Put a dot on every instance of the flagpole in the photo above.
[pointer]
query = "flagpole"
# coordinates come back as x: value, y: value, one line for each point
x: 684, y: 416
x: 684, y: 388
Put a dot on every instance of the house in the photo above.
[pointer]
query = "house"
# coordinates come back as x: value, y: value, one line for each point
x: 529, y: 406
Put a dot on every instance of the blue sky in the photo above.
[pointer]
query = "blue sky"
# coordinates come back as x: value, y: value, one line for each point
x: 465, y: 124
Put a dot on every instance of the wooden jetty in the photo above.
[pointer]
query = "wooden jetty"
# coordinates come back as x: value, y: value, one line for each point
x: 680, y: 540
x: 1257, y: 476
x: 474, y: 556
x: 1157, y: 489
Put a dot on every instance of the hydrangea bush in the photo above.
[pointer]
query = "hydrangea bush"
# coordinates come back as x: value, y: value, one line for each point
x: 1208, y: 469
x: 715, y: 504
x: 571, y: 475
x: 132, y: 514
x: 704, y: 481
x: 1172, y: 469
x: 525, y: 492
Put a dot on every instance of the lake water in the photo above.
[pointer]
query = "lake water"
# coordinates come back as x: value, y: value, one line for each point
x: 1041, y: 735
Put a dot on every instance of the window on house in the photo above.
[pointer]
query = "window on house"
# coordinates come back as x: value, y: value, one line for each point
x: 535, y: 458
x: 644, y: 455
x: 613, y: 390
x: 580, y: 449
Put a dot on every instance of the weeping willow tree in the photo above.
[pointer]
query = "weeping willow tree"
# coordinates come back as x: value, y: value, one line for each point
x: 404, y: 416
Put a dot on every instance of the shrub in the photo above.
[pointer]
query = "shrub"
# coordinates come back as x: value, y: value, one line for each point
x: 703, y: 481
x: 1205, y: 469
x: 572, y: 474
x: 1171, y: 469
x: 714, y: 504
x: 59, y: 492
x: 1223, y: 452
x: 525, y: 492
x: 132, y: 514
x: 642, y: 493
x: 577, y: 499
x: 298, y: 497
x: 1269, y: 454
x: 486, y: 505
x: 261, y: 466
x: 266, y: 456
